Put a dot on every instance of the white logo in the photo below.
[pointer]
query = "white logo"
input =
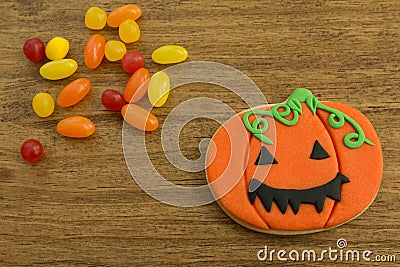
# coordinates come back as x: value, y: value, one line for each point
x: 331, y: 254
x: 341, y: 243
x: 141, y: 167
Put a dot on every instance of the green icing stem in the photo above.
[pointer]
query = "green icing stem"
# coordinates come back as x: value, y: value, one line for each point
x: 293, y: 105
x: 254, y: 127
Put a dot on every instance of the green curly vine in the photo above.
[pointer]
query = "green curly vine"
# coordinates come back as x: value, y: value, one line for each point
x: 293, y: 105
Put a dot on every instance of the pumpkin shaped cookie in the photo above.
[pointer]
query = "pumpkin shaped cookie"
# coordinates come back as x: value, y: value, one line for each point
x: 319, y: 167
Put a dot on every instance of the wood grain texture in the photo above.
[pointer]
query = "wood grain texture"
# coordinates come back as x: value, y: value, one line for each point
x: 79, y: 205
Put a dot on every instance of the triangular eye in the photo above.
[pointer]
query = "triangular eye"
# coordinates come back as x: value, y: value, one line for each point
x: 265, y: 157
x: 318, y: 152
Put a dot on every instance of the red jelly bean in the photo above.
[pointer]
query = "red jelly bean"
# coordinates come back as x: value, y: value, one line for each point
x: 112, y: 100
x: 137, y: 85
x: 34, y: 49
x: 31, y: 150
x: 132, y: 61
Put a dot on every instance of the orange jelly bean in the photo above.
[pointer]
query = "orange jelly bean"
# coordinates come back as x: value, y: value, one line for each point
x: 122, y: 13
x: 76, y: 127
x: 139, y: 118
x: 73, y: 92
x: 94, y: 51
x: 136, y: 87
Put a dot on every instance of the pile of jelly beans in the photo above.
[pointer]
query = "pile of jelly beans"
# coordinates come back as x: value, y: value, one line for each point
x: 156, y: 86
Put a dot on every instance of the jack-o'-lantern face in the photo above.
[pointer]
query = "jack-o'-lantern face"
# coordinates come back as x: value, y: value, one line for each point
x: 319, y: 167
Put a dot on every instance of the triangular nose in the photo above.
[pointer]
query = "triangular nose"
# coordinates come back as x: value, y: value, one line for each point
x: 318, y: 152
x: 265, y: 157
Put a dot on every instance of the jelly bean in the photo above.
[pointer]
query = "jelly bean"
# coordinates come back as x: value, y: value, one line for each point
x: 129, y: 31
x: 31, y: 150
x: 115, y: 50
x: 94, y: 51
x: 76, y: 127
x: 136, y: 87
x: 169, y: 54
x: 158, y: 90
x: 57, y: 48
x: 139, y: 117
x: 95, y: 18
x: 132, y: 61
x: 34, y: 49
x: 112, y: 100
x: 73, y: 92
x: 122, y: 13
x: 43, y: 104
x: 58, y: 69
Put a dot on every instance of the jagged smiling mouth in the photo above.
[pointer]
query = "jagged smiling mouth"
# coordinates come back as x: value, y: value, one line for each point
x: 294, y: 197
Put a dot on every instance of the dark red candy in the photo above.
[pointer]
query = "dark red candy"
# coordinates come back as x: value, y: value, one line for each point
x: 31, y: 150
x: 132, y: 61
x: 34, y: 49
x: 112, y: 100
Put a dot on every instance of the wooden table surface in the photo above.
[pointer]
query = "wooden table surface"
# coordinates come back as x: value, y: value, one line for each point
x: 79, y: 205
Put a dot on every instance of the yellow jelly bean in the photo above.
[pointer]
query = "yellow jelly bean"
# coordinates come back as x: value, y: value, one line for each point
x: 58, y: 69
x: 115, y: 50
x: 129, y: 31
x: 57, y: 48
x: 158, y: 89
x: 95, y: 18
x: 43, y: 104
x: 169, y: 54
